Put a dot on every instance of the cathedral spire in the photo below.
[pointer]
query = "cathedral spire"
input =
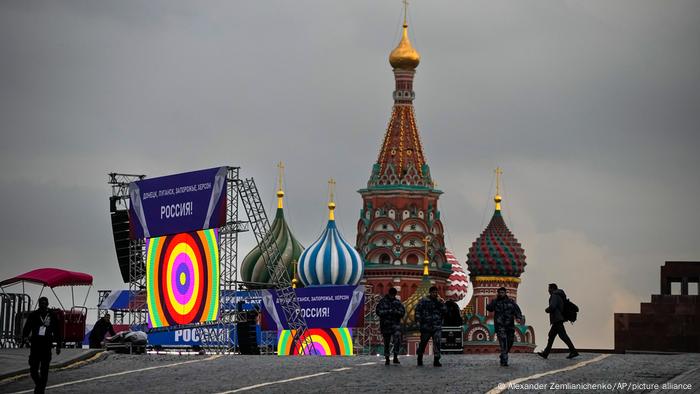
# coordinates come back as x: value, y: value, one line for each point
x: 331, y: 203
x: 400, y: 202
x: 497, y: 198
x: 404, y: 56
x: 280, y: 192
x: 401, y: 161
x: 426, y: 263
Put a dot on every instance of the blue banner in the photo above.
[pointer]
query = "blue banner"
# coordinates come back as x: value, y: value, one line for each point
x: 191, y: 336
x: 178, y: 203
x: 321, y: 307
x: 240, y: 300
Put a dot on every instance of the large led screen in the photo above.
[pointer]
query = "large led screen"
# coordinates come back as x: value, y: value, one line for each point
x: 182, y: 278
x: 316, y: 341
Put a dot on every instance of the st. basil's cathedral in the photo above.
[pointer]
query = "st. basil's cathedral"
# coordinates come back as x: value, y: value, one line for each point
x: 400, y: 226
x: 400, y: 238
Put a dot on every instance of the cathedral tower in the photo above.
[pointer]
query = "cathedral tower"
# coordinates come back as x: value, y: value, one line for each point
x: 400, y: 204
x: 496, y: 259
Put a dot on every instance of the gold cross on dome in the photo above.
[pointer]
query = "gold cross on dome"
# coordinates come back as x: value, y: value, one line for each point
x: 280, y: 166
x: 405, y: 10
x: 426, y: 239
x: 498, y: 172
x: 331, y: 188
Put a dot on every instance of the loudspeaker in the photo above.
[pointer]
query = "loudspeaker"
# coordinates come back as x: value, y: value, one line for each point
x: 247, y: 338
x: 120, y: 232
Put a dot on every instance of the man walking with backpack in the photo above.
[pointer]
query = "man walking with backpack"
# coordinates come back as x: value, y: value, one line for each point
x: 557, y: 300
x: 390, y: 311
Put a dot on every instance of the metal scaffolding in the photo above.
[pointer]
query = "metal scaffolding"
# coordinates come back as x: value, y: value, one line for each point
x: 279, y: 276
x: 136, y: 314
x: 216, y: 336
x: 366, y: 337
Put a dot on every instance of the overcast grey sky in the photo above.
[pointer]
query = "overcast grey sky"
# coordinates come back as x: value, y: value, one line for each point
x: 591, y: 107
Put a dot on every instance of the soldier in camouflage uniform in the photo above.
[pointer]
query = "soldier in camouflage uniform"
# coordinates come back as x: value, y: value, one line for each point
x: 429, y: 314
x: 506, y: 311
x: 390, y: 311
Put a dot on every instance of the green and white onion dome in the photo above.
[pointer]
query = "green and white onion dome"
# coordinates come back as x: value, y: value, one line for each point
x: 254, y: 270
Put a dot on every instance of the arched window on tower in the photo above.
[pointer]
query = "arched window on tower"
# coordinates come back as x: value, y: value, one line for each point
x: 384, y: 259
x: 412, y: 259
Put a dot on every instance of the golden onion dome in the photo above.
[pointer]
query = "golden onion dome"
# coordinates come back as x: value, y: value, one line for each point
x: 409, y: 319
x: 404, y: 56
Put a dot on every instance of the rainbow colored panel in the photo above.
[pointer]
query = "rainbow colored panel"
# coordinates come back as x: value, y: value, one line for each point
x: 182, y: 278
x: 324, y: 342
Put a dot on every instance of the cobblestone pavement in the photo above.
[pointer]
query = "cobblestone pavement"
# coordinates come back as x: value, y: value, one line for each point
x: 460, y: 374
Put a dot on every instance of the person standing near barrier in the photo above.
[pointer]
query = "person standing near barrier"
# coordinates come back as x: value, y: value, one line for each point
x: 390, y: 311
x: 101, y: 328
x: 429, y: 314
x: 557, y: 297
x: 42, y: 330
x: 505, y: 311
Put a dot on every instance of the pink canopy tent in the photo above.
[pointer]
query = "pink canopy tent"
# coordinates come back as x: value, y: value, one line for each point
x: 73, y: 319
x: 52, y: 277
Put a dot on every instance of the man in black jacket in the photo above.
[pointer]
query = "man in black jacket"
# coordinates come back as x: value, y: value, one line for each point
x: 101, y: 328
x: 556, y: 319
x: 43, y: 326
x: 429, y: 314
x: 390, y: 311
x: 506, y: 311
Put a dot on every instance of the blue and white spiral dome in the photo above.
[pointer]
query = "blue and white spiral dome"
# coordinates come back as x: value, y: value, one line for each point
x: 330, y: 260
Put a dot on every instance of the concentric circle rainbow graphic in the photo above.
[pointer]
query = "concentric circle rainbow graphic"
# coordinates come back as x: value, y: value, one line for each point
x: 324, y: 342
x: 182, y: 278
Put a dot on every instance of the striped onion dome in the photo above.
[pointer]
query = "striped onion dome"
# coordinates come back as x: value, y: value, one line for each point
x: 496, y: 252
x: 458, y: 282
x: 330, y: 260
x: 253, y: 269
x: 409, y: 319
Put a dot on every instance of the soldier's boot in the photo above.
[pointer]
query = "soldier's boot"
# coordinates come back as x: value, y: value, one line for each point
x: 436, y: 362
x: 386, y: 362
x: 396, y: 359
x: 420, y: 360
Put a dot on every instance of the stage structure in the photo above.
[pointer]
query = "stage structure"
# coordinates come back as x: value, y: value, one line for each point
x: 271, y: 254
x: 130, y: 252
x: 215, y: 334
x: 368, y: 334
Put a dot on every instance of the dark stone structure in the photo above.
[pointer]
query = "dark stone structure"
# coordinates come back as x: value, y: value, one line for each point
x: 670, y: 322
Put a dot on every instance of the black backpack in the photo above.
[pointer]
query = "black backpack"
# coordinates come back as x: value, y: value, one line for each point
x: 570, y: 311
